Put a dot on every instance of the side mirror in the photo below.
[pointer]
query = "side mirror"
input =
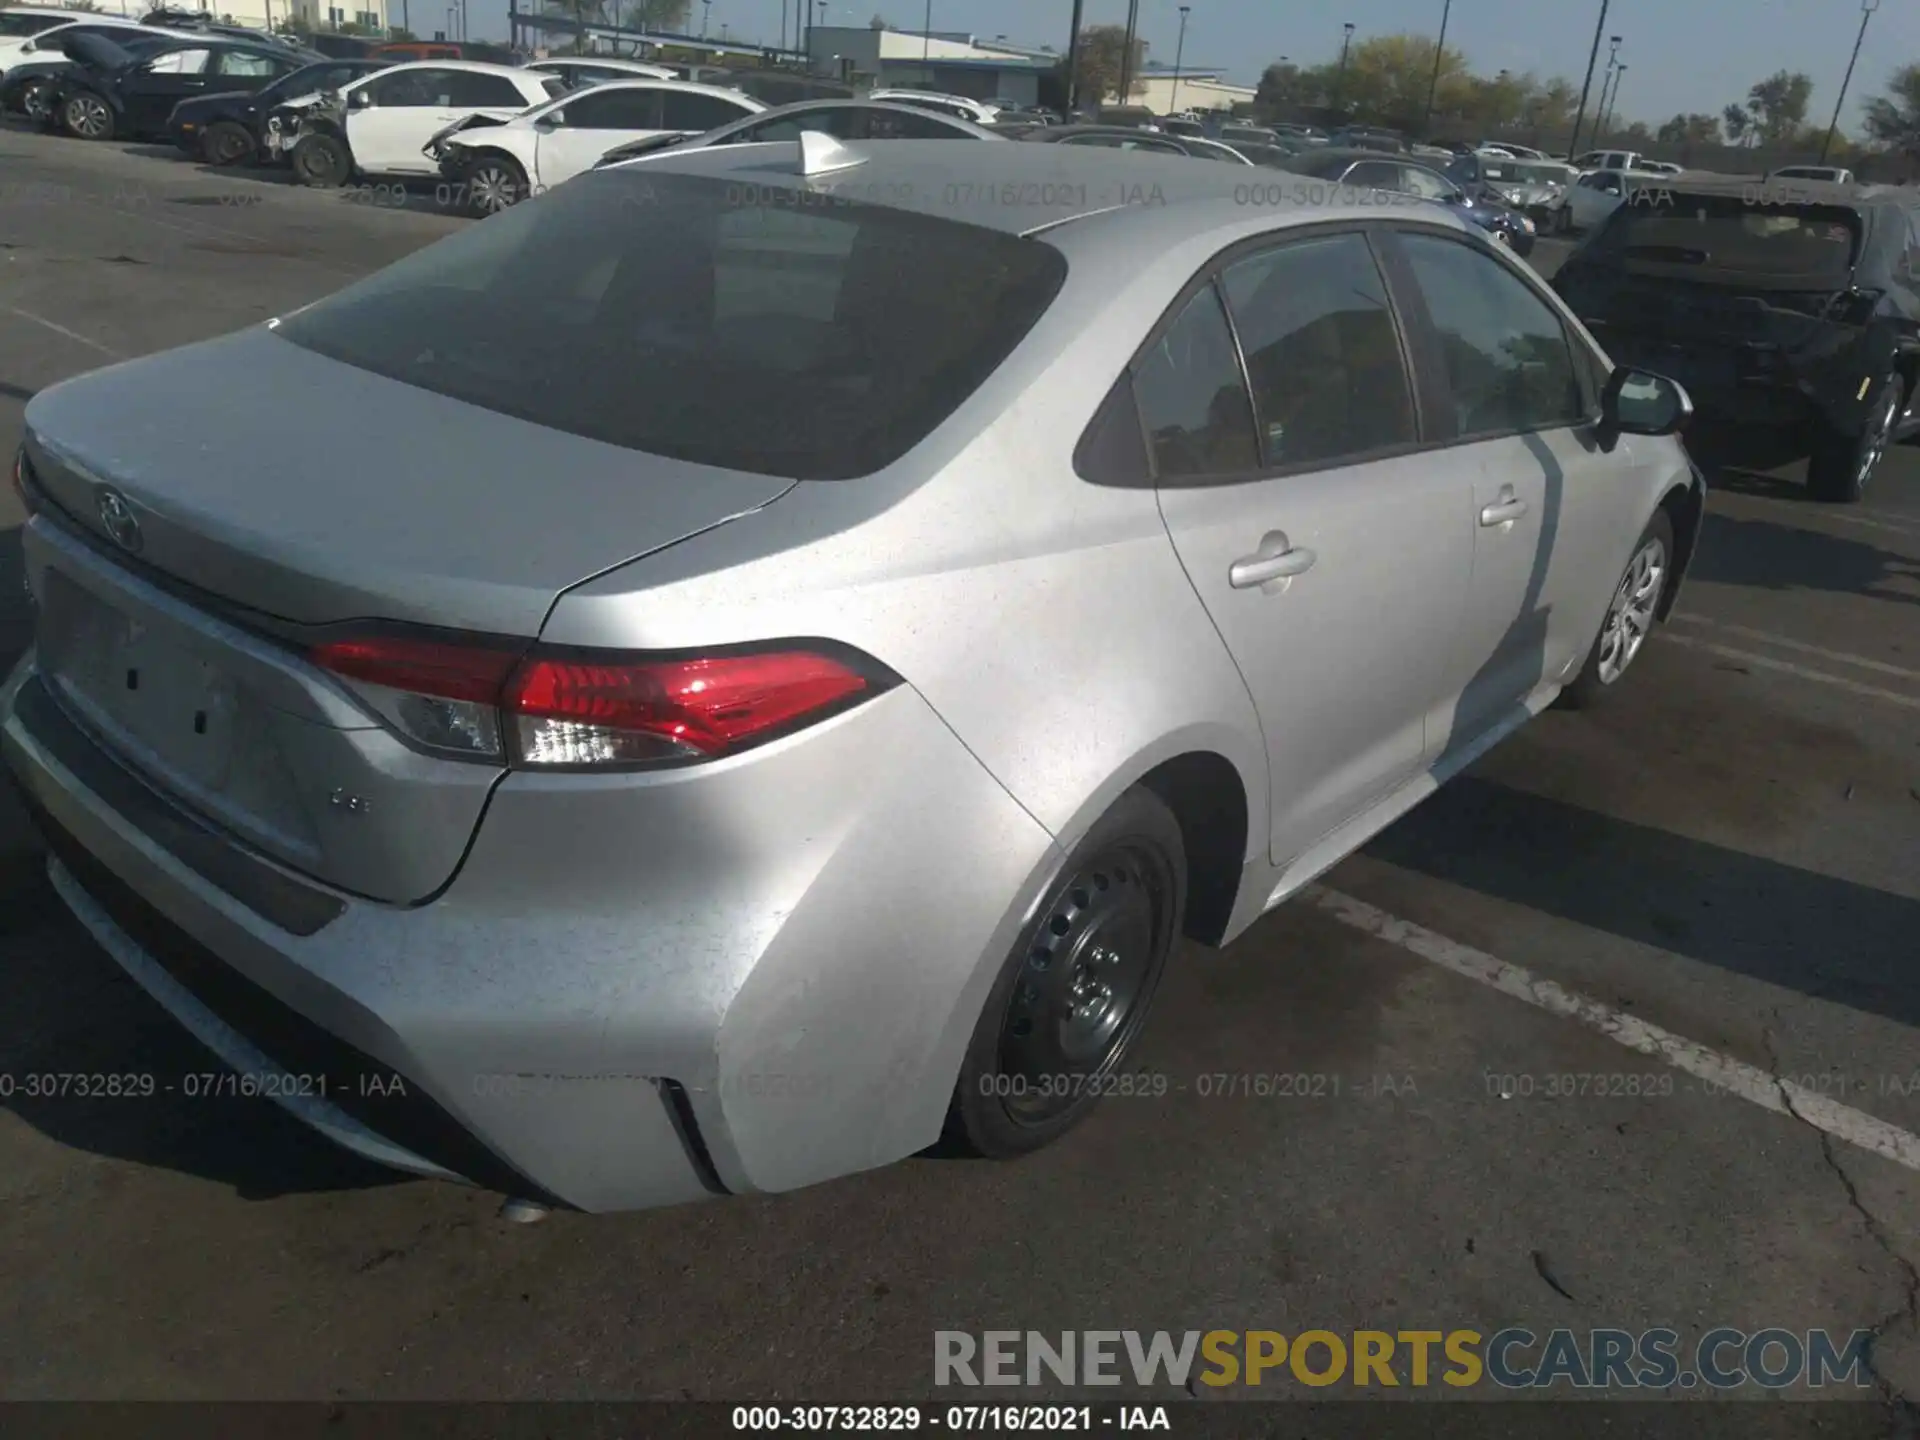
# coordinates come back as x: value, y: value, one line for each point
x: 549, y: 121
x: 1638, y: 402
x: 360, y: 100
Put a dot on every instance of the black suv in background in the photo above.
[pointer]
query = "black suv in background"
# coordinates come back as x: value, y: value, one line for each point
x: 1787, y: 307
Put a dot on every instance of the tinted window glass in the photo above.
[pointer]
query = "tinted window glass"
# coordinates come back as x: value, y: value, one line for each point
x: 658, y: 312
x: 413, y: 88
x: 1193, y: 399
x: 1508, y: 365
x: 247, y: 63
x: 1322, y: 350
x: 837, y: 123
x: 1380, y: 174
x: 615, y: 110
x: 18, y: 25
x: 697, y: 112
x: 1418, y: 180
x: 490, y: 92
x: 1725, y: 232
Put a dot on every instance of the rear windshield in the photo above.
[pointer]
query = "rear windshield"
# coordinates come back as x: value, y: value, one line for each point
x: 747, y: 327
x: 1727, y: 232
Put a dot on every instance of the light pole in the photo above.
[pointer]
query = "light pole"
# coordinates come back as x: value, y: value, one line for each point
x: 1867, y: 7
x: 1593, y: 58
x: 1073, y: 59
x: 1340, y: 79
x: 1606, y: 82
x: 706, y: 16
x: 1608, y: 118
x: 1126, y: 52
x: 1179, y: 49
x: 926, y: 38
x: 1439, y: 54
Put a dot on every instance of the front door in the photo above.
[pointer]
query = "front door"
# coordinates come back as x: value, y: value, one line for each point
x: 404, y: 108
x: 1331, y: 551
x: 1551, y: 514
x: 576, y: 134
x: 151, y: 90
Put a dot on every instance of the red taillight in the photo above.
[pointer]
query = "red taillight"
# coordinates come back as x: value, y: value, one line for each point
x: 424, y: 667
x: 570, y: 709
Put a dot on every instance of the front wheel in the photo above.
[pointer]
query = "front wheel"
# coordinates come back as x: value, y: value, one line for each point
x: 1841, y: 465
x: 322, y: 162
x: 1631, y: 615
x: 226, y: 142
x: 494, y: 183
x: 87, y: 117
x: 1071, y: 999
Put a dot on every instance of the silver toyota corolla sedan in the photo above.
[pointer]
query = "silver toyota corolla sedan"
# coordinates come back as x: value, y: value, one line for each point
x: 747, y: 667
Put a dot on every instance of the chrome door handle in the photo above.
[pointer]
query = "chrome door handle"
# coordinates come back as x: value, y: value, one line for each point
x: 1277, y: 559
x: 1502, y: 511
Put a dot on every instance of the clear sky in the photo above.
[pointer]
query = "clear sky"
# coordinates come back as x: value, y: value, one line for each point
x: 1681, y: 55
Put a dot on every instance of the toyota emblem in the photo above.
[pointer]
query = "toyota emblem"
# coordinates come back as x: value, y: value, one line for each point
x: 118, y: 520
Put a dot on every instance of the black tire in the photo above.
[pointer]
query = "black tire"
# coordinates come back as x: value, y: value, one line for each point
x: 495, y: 183
x: 226, y: 142
x: 86, y: 116
x: 322, y: 162
x: 1841, y: 465
x: 1602, y: 671
x: 1110, y: 924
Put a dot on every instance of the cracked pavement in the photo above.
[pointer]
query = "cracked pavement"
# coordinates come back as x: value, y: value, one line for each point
x: 1732, y: 852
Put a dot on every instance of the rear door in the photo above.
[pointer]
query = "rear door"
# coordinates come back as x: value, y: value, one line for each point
x: 151, y: 89
x: 1331, y: 550
x: 571, y: 138
x: 1551, y: 515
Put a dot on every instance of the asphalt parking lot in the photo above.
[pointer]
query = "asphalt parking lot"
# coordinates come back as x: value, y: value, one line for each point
x: 1723, y: 869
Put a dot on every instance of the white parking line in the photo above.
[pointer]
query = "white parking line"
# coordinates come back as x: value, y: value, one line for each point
x: 72, y: 335
x: 1781, y: 642
x: 1804, y: 672
x: 1721, y: 1073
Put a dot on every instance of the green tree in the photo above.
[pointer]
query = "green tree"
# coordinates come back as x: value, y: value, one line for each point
x: 1691, y: 129
x: 1739, y: 125
x: 668, y: 15
x: 1893, y: 119
x: 1285, y: 89
x: 878, y: 22
x: 1779, y: 104
x: 1102, y: 51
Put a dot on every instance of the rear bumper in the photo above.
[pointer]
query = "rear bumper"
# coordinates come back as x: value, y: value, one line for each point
x: 633, y: 994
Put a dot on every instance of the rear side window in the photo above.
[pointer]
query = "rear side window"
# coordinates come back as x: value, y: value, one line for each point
x: 1193, y: 398
x: 489, y: 92
x: 1322, y: 351
x: 1727, y: 233
x: 660, y: 313
x: 680, y: 111
x: 894, y: 125
x: 14, y: 26
x: 614, y: 110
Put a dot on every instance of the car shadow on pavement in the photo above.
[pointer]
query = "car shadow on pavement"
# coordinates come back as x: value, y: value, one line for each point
x: 1821, y: 936
x: 1763, y: 555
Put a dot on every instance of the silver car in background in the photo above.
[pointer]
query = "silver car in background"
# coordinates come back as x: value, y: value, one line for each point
x: 795, y: 635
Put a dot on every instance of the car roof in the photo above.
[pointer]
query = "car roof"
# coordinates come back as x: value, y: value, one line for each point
x: 655, y: 82
x: 477, y: 67
x: 1161, y: 193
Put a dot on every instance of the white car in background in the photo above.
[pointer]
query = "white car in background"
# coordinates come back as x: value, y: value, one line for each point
x: 34, y: 34
x: 958, y: 106
x: 382, y: 123
x: 1598, y: 193
x: 494, y: 164
x: 580, y: 71
x: 1830, y: 174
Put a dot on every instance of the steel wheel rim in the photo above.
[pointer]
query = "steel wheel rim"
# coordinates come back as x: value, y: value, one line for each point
x: 88, y: 116
x: 1873, y: 444
x: 493, y: 189
x: 229, y: 147
x: 1083, y: 991
x: 1630, y: 616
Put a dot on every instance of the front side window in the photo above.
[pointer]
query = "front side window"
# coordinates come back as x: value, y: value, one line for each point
x: 1192, y: 397
x: 838, y: 123
x: 894, y: 125
x: 1375, y: 175
x: 1418, y: 180
x: 614, y: 110
x: 680, y: 111
x: 179, y: 62
x: 1322, y: 351
x: 662, y: 313
x: 413, y: 89
x: 1508, y: 366
x: 249, y: 64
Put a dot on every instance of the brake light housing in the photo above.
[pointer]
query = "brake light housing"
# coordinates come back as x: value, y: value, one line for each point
x: 535, y: 708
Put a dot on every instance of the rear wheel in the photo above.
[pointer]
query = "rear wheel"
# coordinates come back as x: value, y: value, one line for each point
x: 494, y: 183
x: 1072, y: 998
x: 226, y: 143
x: 1841, y: 465
x: 87, y: 117
x: 1631, y: 615
x: 321, y: 161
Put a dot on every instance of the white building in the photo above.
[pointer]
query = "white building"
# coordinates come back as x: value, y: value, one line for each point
x: 1159, y: 91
